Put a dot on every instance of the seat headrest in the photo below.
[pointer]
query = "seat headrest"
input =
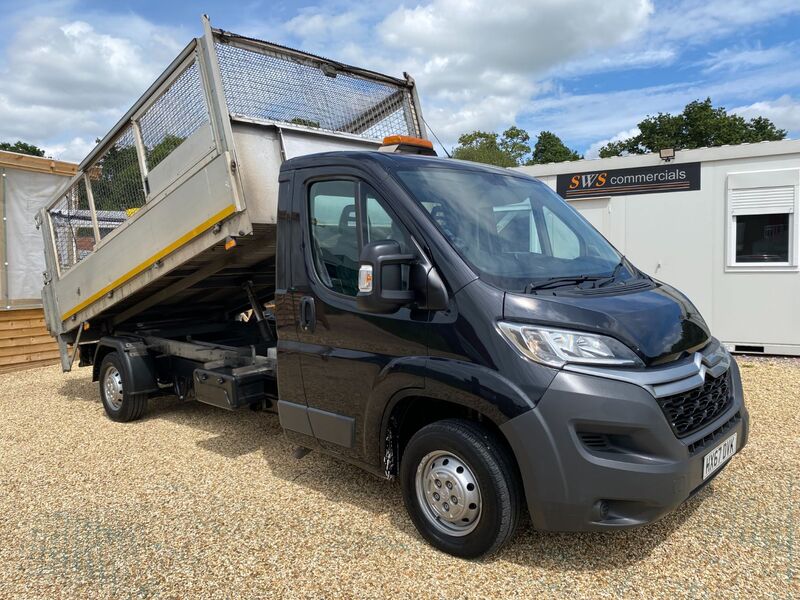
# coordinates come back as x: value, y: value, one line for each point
x: 347, y: 219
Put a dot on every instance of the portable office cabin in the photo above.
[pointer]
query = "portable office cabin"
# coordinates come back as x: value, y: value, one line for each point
x: 720, y: 224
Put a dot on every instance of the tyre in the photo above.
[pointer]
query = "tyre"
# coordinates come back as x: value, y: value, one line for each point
x: 120, y: 404
x: 461, y: 488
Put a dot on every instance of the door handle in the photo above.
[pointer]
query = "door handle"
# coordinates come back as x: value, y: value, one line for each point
x: 308, y: 314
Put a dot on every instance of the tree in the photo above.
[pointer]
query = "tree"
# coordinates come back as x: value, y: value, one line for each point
x: 699, y: 125
x: 512, y: 148
x: 549, y: 148
x: 484, y: 147
x: 117, y: 181
x: 22, y: 148
x: 161, y: 150
x: 515, y: 143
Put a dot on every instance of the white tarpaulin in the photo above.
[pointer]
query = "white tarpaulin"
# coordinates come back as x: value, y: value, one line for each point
x: 25, y: 193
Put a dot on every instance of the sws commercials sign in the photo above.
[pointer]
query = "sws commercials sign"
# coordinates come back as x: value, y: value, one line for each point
x: 619, y: 182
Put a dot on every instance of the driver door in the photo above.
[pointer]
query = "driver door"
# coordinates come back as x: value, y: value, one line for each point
x: 347, y: 353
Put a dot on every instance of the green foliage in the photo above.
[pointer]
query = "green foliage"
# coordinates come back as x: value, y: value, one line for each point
x: 22, y: 148
x: 699, y: 125
x: 512, y: 148
x: 515, y: 143
x: 117, y: 182
x: 483, y: 147
x: 306, y: 122
x: 161, y: 150
x: 549, y: 148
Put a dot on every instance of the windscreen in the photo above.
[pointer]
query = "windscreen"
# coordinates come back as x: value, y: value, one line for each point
x: 513, y: 231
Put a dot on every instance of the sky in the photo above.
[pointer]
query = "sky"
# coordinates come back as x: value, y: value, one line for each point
x: 588, y: 70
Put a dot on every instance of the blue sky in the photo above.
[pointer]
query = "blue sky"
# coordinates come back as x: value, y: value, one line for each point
x: 588, y: 70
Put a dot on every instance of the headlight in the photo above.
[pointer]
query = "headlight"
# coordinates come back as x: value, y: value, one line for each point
x: 557, y: 347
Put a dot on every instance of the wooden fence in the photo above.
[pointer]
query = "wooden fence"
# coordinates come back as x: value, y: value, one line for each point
x: 24, y: 341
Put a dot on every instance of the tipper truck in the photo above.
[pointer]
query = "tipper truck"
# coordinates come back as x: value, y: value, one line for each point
x: 268, y: 229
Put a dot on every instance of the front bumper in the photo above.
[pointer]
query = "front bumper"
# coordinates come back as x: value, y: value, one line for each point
x: 641, y: 472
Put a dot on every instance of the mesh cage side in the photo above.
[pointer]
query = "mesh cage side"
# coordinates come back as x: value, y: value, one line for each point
x: 276, y: 87
x: 116, y: 182
x: 72, y: 226
x: 178, y: 113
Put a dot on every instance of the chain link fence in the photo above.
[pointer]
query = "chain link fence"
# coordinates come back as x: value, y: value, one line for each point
x: 178, y: 113
x: 73, y: 232
x: 259, y: 82
x: 269, y: 85
x: 116, y: 181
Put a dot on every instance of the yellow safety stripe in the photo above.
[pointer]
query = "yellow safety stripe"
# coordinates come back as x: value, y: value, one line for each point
x: 229, y: 210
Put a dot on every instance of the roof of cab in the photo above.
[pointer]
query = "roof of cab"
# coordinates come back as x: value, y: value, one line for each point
x: 392, y: 159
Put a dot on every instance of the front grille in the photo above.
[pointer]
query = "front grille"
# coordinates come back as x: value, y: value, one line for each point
x: 716, y: 435
x: 691, y: 411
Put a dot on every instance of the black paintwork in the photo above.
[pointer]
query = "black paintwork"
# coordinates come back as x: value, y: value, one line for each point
x: 345, y: 373
x: 659, y: 324
x: 360, y: 365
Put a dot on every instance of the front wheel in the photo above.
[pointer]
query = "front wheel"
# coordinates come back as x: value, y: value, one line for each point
x: 461, y: 488
x: 119, y: 403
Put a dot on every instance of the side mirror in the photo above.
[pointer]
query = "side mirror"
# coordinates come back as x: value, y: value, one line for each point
x: 380, y: 278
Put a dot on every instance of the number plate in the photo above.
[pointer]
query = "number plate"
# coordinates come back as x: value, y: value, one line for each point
x: 719, y: 456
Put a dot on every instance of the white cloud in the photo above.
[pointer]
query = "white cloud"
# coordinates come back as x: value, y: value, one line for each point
x: 324, y: 27
x: 617, y: 60
x: 698, y: 22
x: 593, y: 151
x: 74, y: 150
x: 66, y: 80
x: 734, y: 59
x: 479, y: 64
x: 588, y: 118
x: 784, y: 112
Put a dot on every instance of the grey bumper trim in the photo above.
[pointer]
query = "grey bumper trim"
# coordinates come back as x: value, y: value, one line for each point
x: 676, y: 378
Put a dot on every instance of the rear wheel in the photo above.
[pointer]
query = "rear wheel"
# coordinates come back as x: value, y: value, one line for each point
x: 460, y: 487
x: 120, y: 404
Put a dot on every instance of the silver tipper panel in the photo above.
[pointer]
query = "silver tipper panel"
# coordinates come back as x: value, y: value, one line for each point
x: 194, y: 161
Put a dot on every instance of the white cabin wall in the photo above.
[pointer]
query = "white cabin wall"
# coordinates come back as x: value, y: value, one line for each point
x: 758, y: 307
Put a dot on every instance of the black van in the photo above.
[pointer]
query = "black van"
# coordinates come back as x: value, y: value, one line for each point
x: 464, y: 327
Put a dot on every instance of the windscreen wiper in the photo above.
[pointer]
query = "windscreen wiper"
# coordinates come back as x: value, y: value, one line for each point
x: 554, y: 282
x: 614, y: 274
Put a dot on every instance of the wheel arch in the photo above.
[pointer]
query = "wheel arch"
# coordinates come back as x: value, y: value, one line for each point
x: 411, y: 410
x: 139, y: 367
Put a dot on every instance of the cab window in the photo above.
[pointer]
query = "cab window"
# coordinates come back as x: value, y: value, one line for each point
x: 345, y: 215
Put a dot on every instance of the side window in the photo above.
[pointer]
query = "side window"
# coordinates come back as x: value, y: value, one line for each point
x: 335, y: 226
x: 380, y: 225
x: 563, y: 240
x: 334, y: 234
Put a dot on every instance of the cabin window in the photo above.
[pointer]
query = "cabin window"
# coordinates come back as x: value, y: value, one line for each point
x: 762, y: 222
x: 344, y: 215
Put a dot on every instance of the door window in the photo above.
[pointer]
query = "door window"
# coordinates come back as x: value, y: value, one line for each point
x: 380, y: 225
x: 339, y: 230
x: 334, y: 234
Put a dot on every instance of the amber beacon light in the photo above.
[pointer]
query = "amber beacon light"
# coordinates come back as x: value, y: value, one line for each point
x: 407, y: 144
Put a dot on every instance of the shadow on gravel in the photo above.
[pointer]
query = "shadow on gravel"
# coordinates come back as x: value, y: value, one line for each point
x: 341, y: 482
x: 83, y: 390
x: 243, y: 432
x: 596, y: 550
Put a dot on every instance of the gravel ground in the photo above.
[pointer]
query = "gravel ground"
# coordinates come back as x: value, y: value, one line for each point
x: 197, y: 502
